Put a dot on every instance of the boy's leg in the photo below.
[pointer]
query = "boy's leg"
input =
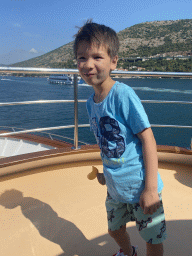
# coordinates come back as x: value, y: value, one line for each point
x: 122, y: 238
x: 152, y: 229
x: 118, y: 214
x: 154, y: 249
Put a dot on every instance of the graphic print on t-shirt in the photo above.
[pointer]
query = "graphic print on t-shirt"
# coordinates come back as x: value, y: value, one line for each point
x: 108, y: 137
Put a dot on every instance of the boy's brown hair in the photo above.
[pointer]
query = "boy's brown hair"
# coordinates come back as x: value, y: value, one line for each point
x: 98, y: 35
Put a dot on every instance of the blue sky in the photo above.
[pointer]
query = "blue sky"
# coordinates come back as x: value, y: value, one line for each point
x: 44, y: 25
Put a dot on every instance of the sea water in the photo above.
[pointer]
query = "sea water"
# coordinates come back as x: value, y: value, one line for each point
x: 16, y: 89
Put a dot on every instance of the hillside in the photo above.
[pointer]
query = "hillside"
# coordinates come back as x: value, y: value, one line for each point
x: 145, y: 39
x: 151, y: 38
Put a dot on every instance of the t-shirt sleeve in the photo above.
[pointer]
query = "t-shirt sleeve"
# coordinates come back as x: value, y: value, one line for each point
x: 133, y: 111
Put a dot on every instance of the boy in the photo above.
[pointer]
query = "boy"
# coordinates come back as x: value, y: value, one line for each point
x: 128, y: 147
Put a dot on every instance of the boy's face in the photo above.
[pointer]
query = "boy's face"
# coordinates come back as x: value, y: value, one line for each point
x: 94, y: 63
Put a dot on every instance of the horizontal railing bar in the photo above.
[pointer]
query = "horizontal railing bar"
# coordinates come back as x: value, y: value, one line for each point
x: 151, y: 73
x: 39, y: 70
x: 38, y: 130
x: 82, y: 101
x: 56, y: 135
x: 80, y: 126
x: 83, y: 125
x: 167, y: 102
x: 43, y: 129
x: 171, y: 126
x: 75, y: 71
x: 35, y: 102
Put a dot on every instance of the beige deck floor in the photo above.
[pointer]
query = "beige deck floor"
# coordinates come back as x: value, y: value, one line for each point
x: 57, y: 211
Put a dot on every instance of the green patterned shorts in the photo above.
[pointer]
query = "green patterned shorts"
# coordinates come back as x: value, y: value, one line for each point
x: 152, y: 228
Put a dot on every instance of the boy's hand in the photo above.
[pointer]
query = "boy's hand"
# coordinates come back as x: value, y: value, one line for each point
x: 95, y: 173
x: 101, y: 178
x: 149, y: 201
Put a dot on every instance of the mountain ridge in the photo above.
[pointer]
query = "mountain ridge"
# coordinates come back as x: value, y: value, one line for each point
x: 147, y: 39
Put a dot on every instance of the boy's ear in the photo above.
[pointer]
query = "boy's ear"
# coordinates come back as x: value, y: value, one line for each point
x: 114, y: 62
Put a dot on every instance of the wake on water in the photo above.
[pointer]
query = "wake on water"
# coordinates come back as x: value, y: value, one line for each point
x: 134, y: 88
x: 162, y: 90
x: 155, y: 89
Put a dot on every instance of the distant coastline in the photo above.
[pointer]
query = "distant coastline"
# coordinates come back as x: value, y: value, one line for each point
x: 114, y: 76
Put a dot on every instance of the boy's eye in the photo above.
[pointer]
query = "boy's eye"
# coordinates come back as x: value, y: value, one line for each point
x: 98, y: 57
x: 81, y: 58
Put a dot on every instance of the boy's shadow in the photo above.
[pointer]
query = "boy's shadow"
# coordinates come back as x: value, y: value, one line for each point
x: 49, y: 224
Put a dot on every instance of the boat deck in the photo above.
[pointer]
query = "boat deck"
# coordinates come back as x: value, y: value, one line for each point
x: 55, y: 210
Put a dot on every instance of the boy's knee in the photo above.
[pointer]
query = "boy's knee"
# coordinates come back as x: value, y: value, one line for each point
x: 118, y: 232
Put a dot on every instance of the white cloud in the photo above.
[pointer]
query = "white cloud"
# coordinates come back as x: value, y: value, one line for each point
x: 33, y: 51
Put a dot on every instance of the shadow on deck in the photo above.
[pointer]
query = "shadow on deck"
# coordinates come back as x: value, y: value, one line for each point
x: 73, y: 242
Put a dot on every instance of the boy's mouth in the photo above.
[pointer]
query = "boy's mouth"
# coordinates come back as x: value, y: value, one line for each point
x: 89, y: 74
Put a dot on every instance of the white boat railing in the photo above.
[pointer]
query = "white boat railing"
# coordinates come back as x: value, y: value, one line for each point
x: 79, y: 101
x: 75, y: 71
x: 52, y: 136
x: 76, y: 101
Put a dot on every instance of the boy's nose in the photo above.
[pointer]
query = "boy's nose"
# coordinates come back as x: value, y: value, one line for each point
x: 89, y: 63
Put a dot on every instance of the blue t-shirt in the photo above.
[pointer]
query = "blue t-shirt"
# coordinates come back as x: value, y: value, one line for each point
x: 115, y: 122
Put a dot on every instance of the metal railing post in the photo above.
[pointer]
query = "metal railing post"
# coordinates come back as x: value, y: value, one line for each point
x: 76, y: 112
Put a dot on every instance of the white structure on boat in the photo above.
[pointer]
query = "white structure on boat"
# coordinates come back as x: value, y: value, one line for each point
x: 60, y: 79
x: 17, y: 146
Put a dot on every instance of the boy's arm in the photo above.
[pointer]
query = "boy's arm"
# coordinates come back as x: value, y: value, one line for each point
x: 149, y: 200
